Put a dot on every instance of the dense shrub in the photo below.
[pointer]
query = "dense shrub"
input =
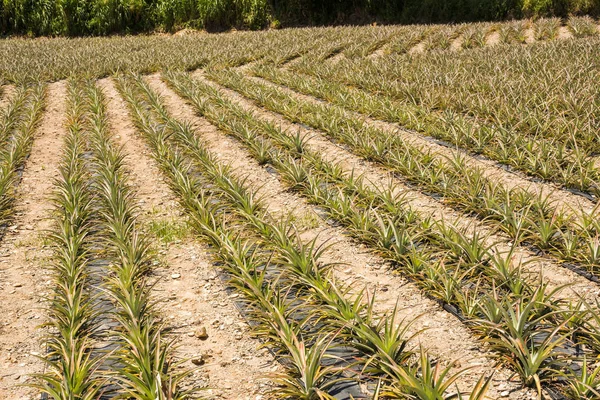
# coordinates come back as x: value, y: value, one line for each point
x: 323, y: 12
x: 101, y: 17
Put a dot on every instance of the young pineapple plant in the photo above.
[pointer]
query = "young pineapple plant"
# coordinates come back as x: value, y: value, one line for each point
x: 546, y: 28
x: 582, y: 27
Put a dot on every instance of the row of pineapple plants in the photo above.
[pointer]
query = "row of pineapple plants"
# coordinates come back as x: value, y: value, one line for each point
x: 379, y: 343
x: 72, y: 363
x: 527, y: 218
x: 565, y: 160
x: 440, y: 37
x: 95, y: 57
x: 510, y: 110
x: 485, y: 287
x: 105, y: 336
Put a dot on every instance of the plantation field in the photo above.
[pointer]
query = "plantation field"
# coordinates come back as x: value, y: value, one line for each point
x: 378, y: 212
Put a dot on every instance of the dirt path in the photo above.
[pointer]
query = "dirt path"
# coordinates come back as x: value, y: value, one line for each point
x: 7, y: 93
x: 493, y: 38
x: 564, y: 33
x: 336, y: 58
x: 294, y: 61
x: 457, y: 43
x: 191, y: 296
x: 359, y: 267
x: 24, y: 279
x: 380, y: 52
x: 418, y: 48
x: 530, y: 35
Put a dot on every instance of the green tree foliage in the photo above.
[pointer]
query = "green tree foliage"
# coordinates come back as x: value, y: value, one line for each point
x: 101, y: 17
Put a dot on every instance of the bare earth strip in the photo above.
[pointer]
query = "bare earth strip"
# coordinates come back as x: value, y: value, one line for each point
x: 457, y: 43
x: 6, y: 94
x: 191, y: 295
x: 336, y: 58
x: 553, y: 273
x: 418, y: 48
x: 293, y: 61
x: 380, y: 52
x: 445, y: 336
x: 493, y: 38
x: 23, y: 276
x: 564, y: 33
x: 529, y: 35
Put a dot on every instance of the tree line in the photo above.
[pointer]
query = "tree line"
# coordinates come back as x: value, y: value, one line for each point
x: 102, y: 17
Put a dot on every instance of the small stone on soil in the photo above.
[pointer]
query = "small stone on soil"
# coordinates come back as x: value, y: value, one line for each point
x: 201, y: 333
x: 198, y: 361
x: 201, y: 360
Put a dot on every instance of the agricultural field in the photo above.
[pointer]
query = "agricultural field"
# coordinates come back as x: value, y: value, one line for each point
x: 377, y: 212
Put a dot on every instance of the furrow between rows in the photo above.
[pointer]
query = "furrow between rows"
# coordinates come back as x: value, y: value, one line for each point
x: 25, y: 255
x: 7, y: 92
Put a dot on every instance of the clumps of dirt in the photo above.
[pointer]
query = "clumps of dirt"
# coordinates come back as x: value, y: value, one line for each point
x: 529, y: 35
x: 457, y: 43
x: 418, y: 48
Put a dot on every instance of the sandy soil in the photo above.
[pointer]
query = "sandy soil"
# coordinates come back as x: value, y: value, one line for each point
x: 336, y: 58
x: 380, y: 52
x: 529, y: 35
x: 23, y: 278
x: 457, y: 43
x: 564, y: 33
x: 7, y: 93
x: 492, y: 39
x: 418, y: 48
